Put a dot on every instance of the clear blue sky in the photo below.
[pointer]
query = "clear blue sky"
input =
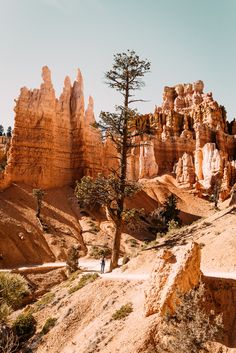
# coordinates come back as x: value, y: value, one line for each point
x: 185, y: 40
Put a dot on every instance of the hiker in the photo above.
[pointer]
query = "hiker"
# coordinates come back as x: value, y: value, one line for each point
x: 103, y: 264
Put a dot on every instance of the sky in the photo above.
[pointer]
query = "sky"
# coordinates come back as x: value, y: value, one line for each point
x: 185, y: 40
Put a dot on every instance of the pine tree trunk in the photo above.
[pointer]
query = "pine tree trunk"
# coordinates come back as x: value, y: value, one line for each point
x: 39, y: 205
x: 123, y: 170
x: 116, y: 248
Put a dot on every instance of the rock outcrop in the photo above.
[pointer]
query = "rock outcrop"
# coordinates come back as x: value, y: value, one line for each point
x: 53, y: 142
x: 192, y: 136
x: 175, y: 273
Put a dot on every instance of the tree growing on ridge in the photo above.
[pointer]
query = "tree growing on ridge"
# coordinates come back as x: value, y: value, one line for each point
x: 125, y: 77
x: 1, y: 130
x: 38, y: 194
x: 170, y: 211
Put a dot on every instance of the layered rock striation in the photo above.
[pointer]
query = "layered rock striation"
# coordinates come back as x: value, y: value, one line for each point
x: 54, y: 141
x: 192, y: 138
x: 53, y: 138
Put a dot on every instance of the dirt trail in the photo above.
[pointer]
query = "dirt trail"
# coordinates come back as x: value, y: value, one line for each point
x: 89, y: 265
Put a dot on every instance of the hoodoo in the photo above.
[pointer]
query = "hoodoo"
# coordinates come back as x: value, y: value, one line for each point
x: 55, y: 141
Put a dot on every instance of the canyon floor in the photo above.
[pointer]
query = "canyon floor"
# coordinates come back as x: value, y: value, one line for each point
x: 85, y: 321
x: 84, y: 317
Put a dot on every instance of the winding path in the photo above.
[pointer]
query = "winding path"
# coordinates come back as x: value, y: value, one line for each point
x: 86, y: 265
x: 89, y: 265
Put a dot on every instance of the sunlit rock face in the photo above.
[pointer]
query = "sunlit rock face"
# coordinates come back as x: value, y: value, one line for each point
x: 192, y: 138
x: 175, y: 272
x: 53, y: 142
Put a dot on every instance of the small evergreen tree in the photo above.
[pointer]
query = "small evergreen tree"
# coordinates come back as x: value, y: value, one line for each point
x: 38, y: 194
x: 170, y: 211
x: 1, y: 130
x: 125, y: 77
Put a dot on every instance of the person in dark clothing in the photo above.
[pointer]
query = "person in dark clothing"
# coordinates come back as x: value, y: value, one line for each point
x: 103, y: 264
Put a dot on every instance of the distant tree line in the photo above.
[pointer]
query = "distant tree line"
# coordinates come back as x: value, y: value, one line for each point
x: 8, y: 132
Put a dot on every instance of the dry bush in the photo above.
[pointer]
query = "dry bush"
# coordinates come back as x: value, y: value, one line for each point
x: 8, y: 340
x: 84, y: 280
x: 72, y: 261
x: 190, y: 327
x: 49, y: 324
x: 99, y: 251
x: 123, y: 312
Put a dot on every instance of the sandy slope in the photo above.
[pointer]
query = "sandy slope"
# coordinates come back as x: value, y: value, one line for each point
x: 85, y: 322
x: 22, y: 240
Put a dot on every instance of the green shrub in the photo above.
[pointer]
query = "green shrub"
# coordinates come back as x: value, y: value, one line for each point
x: 133, y: 243
x: 5, y: 311
x: 160, y: 235
x: 45, y: 300
x: 74, y: 275
x: 25, y: 325
x: 84, y: 280
x: 173, y: 225
x: 170, y: 210
x: 94, y: 228
x: 13, y: 287
x: 97, y: 252
x: 49, y: 324
x: 123, y: 312
x: 72, y: 261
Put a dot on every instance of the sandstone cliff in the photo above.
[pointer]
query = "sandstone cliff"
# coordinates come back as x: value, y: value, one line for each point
x: 191, y: 137
x: 53, y: 142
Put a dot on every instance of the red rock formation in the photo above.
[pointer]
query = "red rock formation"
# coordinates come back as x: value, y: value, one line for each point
x: 53, y: 142
x: 192, y: 134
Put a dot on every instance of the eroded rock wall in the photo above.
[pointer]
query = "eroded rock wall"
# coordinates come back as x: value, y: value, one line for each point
x: 53, y: 142
x: 192, y: 138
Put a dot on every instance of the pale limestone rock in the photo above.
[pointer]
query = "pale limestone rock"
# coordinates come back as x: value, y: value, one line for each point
x: 185, y: 174
x: 148, y: 167
x: 175, y: 272
x: 198, y: 159
x: 168, y: 98
x: 188, y: 91
x: 179, y: 103
x: 212, y: 164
